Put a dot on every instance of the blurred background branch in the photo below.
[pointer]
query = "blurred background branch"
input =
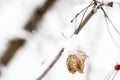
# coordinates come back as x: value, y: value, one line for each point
x: 38, y: 14
x: 15, y: 44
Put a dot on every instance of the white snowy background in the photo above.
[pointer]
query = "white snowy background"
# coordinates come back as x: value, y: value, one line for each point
x: 42, y: 46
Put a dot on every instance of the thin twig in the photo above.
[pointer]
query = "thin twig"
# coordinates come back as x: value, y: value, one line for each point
x: 106, y: 17
x: 85, y: 21
x: 111, y: 22
x: 114, y: 75
x: 83, y: 16
x: 82, y: 11
x: 52, y: 64
x: 107, y: 77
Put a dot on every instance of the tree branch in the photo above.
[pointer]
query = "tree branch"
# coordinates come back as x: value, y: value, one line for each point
x: 14, y: 45
x: 37, y: 16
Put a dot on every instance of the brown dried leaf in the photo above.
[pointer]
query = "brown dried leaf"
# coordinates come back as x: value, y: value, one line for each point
x: 75, y: 61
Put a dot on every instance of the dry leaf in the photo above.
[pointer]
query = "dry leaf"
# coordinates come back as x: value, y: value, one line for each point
x: 75, y: 61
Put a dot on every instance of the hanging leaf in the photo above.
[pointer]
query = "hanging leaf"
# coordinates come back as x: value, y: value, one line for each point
x: 75, y: 61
